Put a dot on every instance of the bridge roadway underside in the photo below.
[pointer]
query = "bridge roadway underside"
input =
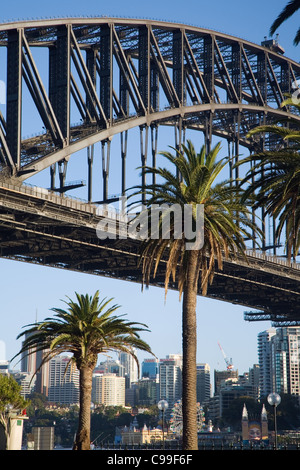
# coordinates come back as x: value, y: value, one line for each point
x: 37, y: 230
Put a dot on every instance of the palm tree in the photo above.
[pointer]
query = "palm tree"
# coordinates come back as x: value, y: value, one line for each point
x: 87, y: 328
x: 225, y: 225
x: 291, y: 7
x: 274, y: 179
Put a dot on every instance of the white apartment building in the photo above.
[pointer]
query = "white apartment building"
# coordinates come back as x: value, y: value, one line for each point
x: 264, y: 361
x: 170, y: 379
x: 108, y: 390
x: 279, y: 360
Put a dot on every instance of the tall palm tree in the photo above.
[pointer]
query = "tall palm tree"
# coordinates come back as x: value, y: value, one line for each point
x: 87, y: 328
x: 225, y: 226
x: 274, y: 179
x: 291, y: 7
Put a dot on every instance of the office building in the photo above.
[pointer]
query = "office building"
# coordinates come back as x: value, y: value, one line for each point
x: 130, y: 369
x: 222, y: 376
x: 150, y: 368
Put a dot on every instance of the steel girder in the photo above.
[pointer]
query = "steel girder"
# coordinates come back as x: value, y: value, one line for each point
x: 115, y: 75
x: 41, y: 227
x: 119, y: 74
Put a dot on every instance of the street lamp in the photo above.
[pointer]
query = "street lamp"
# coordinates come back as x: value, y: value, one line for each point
x: 163, y: 405
x: 274, y: 400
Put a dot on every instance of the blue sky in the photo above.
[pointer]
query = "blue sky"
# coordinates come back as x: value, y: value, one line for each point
x: 28, y: 292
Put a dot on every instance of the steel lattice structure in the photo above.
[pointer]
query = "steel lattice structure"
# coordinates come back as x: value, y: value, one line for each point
x: 111, y: 76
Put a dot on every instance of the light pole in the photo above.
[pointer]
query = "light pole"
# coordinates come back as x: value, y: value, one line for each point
x: 163, y: 405
x: 274, y: 400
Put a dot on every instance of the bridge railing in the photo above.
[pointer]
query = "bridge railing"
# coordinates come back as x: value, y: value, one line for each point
x: 103, y: 210
x: 272, y: 258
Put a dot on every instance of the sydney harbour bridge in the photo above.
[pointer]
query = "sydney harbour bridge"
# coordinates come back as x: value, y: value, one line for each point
x: 85, y: 82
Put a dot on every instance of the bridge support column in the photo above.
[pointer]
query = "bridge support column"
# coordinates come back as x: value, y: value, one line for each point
x: 124, y: 140
x: 144, y: 152
x: 208, y: 131
x: 154, y: 138
x: 90, y: 159
x: 105, y: 166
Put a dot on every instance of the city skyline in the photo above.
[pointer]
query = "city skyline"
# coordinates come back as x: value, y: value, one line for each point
x: 28, y: 292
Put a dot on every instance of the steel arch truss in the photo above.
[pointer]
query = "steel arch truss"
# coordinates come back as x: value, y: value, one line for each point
x: 116, y: 74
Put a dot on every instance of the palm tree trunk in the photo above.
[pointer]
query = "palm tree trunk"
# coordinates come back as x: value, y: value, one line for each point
x: 82, y: 441
x: 189, y: 349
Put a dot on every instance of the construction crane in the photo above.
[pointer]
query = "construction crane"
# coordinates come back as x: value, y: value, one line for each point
x: 228, y: 362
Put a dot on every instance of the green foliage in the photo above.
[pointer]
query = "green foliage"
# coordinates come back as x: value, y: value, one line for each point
x: 10, y: 399
x: 10, y: 394
x: 289, y: 10
x: 227, y: 222
x: 87, y: 328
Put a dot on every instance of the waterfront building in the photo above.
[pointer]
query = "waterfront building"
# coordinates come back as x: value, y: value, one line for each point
x: 254, y: 428
x: 129, y: 435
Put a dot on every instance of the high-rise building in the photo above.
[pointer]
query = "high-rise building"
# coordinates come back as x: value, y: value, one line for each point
x: 146, y: 392
x: 30, y: 363
x: 264, y: 361
x: 110, y: 366
x: 63, y: 382
x: 150, y: 368
x: 222, y: 376
x: 108, y: 390
x: 279, y: 356
x: 203, y: 383
x: 130, y: 368
x: 285, y: 348
x: 170, y: 379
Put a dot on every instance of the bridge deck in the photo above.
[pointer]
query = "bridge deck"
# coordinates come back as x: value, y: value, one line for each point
x: 41, y: 227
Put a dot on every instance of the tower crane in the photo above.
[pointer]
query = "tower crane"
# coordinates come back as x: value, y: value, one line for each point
x: 228, y: 362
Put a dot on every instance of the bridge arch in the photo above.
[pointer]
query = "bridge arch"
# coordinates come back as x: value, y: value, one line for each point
x: 116, y: 74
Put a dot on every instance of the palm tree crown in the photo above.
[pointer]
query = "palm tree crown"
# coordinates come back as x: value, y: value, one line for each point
x: 226, y: 220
